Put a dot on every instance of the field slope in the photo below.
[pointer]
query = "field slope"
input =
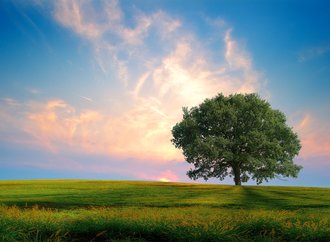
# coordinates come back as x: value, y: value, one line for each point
x: 87, y: 210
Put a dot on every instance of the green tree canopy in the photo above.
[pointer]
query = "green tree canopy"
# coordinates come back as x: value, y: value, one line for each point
x: 239, y: 136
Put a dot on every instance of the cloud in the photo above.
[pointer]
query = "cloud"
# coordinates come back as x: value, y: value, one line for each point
x: 57, y: 126
x: 118, y: 46
x: 315, y: 136
x: 165, y: 176
x: 240, y: 60
x: 155, y: 64
x: 312, y: 53
x: 86, y: 98
x: 75, y: 16
x: 33, y: 91
x: 106, y: 29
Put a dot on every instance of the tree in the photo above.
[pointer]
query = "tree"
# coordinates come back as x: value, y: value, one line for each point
x: 240, y: 136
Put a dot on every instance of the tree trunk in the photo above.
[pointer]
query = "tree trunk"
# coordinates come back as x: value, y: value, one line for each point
x: 237, y: 175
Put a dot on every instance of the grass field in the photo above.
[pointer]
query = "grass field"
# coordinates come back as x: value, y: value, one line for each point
x: 74, y: 210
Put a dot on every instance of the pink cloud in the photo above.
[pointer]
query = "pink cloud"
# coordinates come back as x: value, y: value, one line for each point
x: 142, y: 128
x: 95, y: 23
x: 72, y: 14
x: 155, y: 86
x: 141, y: 132
x: 315, y: 136
x: 163, y: 176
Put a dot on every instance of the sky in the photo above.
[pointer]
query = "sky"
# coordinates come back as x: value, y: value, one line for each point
x: 92, y: 89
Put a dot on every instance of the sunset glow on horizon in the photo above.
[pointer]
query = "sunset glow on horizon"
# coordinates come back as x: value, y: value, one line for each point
x: 92, y: 89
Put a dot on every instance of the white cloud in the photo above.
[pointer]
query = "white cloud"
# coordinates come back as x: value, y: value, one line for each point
x: 86, y: 98
x: 239, y: 59
x: 160, y: 66
x: 311, y: 53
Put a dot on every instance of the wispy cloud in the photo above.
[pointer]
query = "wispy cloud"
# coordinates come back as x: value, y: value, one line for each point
x: 312, y: 53
x: 86, y: 98
x: 57, y: 126
x: 239, y: 59
x: 315, y: 136
x: 157, y: 66
x: 72, y: 14
x: 33, y: 91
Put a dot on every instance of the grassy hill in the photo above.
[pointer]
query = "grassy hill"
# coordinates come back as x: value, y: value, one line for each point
x: 77, y: 210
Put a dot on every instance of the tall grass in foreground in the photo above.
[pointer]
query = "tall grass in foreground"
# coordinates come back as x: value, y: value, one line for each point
x: 140, y: 211
x: 159, y: 224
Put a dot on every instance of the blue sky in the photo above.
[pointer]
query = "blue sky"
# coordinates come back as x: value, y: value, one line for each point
x: 91, y: 89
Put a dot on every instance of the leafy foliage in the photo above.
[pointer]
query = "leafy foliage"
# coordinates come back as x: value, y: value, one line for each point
x: 239, y: 135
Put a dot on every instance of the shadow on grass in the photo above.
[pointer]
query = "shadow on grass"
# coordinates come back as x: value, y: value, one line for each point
x: 255, y: 198
x: 43, y: 204
x: 303, y: 197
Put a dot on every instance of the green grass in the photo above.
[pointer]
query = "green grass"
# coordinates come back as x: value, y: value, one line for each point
x: 72, y: 210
